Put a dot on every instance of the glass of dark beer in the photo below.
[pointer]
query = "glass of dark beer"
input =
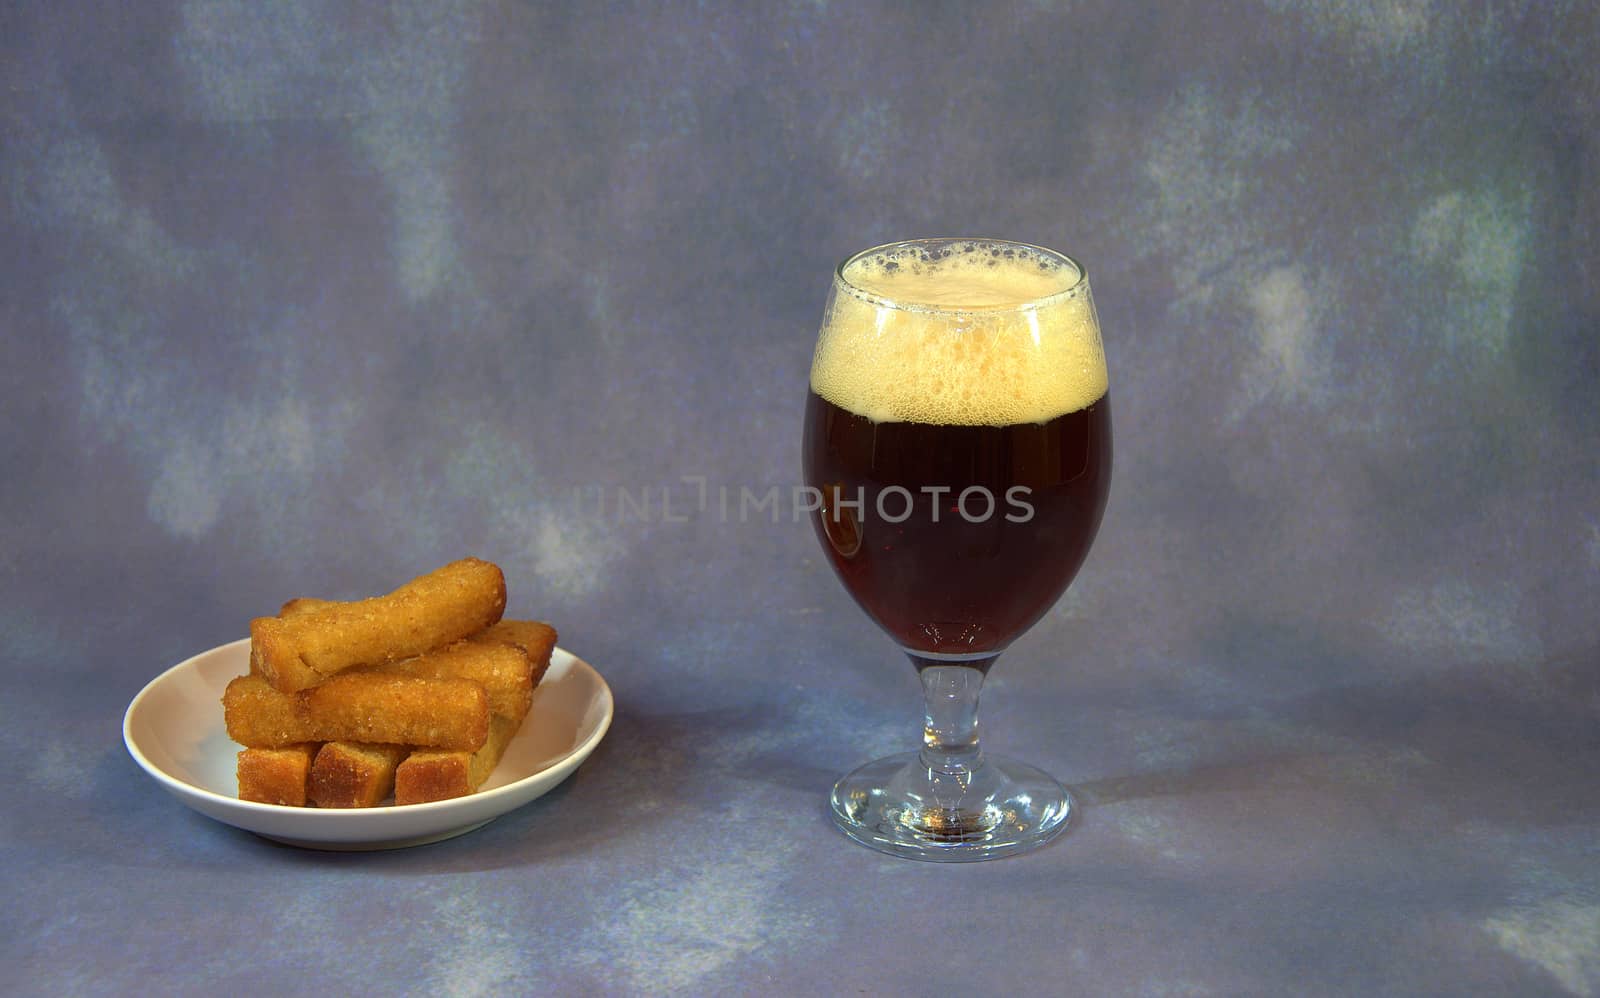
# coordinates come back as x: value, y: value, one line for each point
x: 958, y: 439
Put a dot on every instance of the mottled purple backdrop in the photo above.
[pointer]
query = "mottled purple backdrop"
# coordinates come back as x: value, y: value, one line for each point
x: 306, y: 298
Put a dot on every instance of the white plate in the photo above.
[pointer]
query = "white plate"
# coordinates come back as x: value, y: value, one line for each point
x: 175, y: 732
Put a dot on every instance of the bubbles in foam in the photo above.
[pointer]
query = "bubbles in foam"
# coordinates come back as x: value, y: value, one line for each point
x: 969, y: 333
x: 963, y: 276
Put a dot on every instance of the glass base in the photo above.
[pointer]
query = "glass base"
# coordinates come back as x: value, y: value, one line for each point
x: 898, y: 805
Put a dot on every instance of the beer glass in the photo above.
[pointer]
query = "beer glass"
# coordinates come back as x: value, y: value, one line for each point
x: 958, y: 442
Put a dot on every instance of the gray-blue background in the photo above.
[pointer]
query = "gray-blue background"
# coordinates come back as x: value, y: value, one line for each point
x: 306, y: 298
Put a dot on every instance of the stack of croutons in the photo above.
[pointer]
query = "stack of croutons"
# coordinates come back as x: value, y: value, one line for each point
x: 413, y: 695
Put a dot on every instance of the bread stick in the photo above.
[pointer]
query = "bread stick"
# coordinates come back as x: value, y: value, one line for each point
x: 302, y: 605
x: 276, y: 775
x: 359, y: 707
x: 509, y: 684
x: 428, y: 774
x: 354, y: 774
x: 446, y: 605
x: 535, y: 637
x: 501, y: 668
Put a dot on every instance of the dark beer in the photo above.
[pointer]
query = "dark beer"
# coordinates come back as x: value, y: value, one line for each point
x: 956, y: 539
x: 959, y: 433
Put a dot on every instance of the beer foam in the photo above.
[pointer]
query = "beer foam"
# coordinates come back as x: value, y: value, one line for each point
x: 969, y: 333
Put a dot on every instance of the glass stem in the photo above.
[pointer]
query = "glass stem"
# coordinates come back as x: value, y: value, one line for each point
x: 950, y: 725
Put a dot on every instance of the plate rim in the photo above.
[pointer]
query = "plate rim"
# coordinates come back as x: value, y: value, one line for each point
x: 340, y: 823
